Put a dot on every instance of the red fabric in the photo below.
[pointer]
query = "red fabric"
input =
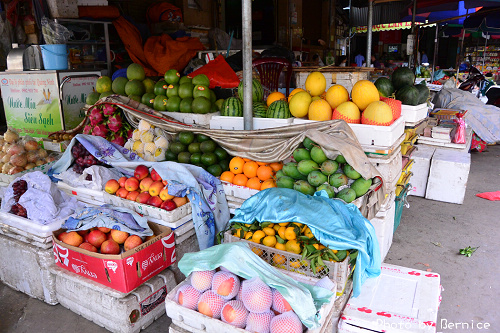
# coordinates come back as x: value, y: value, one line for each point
x: 219, y: 73
x: 493, y: 196
x: 99, y: 12
x: 163, y: 11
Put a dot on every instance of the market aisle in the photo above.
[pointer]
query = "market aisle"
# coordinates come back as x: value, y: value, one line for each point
x: 470, y: 283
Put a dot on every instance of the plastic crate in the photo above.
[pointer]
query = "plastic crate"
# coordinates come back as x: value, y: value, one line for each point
x: 336, y: 271
x: 7, y: 179
x: 389, y: 166
x: 192, y: 118
x: 63, y: 8
x: 400, y: 203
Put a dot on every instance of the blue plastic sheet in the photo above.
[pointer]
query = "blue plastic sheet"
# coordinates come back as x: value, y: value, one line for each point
x: 334, y: 223
x: 237, y: 257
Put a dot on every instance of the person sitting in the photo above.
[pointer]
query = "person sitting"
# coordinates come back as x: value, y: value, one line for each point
x: 375, y: 62
x: 342, y: 61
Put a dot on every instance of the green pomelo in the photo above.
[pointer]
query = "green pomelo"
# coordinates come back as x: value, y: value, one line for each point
x: 173, y: 104
x: 290, y: 170
x: 340, y: 159
x: 338, y: 179
x: 186, y: 138
x: 329, y: 167
x: 173, y: 90
x: 202, y: 137
x: 172, y: 76
x: 170, y: 155
x: 103, y: 84
x: 208, y: 159
x: 148, y: 99
x: 350, y: 172
x: 300, y: 154
x: 316, y: 178
x: 221, y: 153
x: 177, y: 147
x: 201, y: 91
x: 306, y: 166
x: 347, y: 194
x: 184, y: 157
x: 149, y: 85
x: 92, y: 98
x: 118, y: 85
x: 213, y: 98
x: 185, y: 106
x: 185, y: 90
x: 201, y: 105
x: 285, y: 182
x: 215, y: 170
x: 135, y: 98
x: 361, y: 186
x: 160, y: 103
x: 328, y: 188
x: 196, y: 158
x: 224, y: 165
x: 218, y: 104
x: 134, y: 87
x: 194, y: 147
x: 185, y: 79
x: 135, y: 72
x: 160, y: 88
x: 208, y: 146
x: 106, y: 93
x: 304, y: 187
x: 201, y: 79
x: 308, y: 143
x: 318, y: 155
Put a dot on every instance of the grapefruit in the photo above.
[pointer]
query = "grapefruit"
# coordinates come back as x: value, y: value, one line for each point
x: 148, y: 99
x: 299, y: 104
x: 201, y: 79
x: 103, y: 84
x: 377, y: 113
x: 118, y: 85
x: 135, y: 72
x: 336, y: 95
x: 149, y: 85
x: 363, y: 93
x: 173, y: 90
x: 201, y: 91
x: 201, y: 105
x: 92, y: 98
x: 172, y: 76
x: 185, y: 90
x: 160, y: 88
x: 185, y: 79
x: 185, y: 106
x: 160, y: 103
x: 347, y: 111
x: 134, y: 87
x: 173, y: 104
x: 320, y: 110
x: 315, y: 83
x: 106, y: 93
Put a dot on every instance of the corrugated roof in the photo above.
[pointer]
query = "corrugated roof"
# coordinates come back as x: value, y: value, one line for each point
x: 382, y: 13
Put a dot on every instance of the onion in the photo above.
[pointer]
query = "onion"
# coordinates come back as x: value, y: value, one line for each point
x: 1, y: 166
x: 15, y: 170
x: 6, y: 147
x: 32, y: 156
x: 6, y: 158
x: 29, y: 166
x: 31, y: 145
x: 2, y: 154
x: 19, y: 160
x: 6, y: 167
x: 42, y: 153
x: 15, y: 149
x: 11, y: 136
x: 40, y: 162
x: 2, y: 141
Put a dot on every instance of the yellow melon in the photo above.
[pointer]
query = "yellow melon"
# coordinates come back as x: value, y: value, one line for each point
x: 294, y: 91
x: 316, y: 83
x: 336, y: 95
x: 299, y: 104
x: 320, y: 110
x: 347, y: 111
x: 363, y: 93
x: 377, y: 113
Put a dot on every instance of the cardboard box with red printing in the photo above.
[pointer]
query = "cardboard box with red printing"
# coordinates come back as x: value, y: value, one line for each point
x: 123, y: 272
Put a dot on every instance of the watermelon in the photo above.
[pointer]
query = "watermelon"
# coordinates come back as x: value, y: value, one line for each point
x: 232, y: 107
x: 278, y: 109
x: 403, y: 76
x: 259, y: 110
x: 423, y: 92
x: 384, y: 87
x: 257, y: 91
x: 408, y: 95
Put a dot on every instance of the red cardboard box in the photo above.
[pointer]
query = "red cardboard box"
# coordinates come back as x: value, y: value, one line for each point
x: 123, y: 272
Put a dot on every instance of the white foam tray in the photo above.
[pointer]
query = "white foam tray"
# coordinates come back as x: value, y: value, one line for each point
x: 236, y: 123
x: 81, y: 193
x: 414, y: 114
x: 192, y: 118
x: 7, y: 179
x: 29, y: 227
x: 237, y: 191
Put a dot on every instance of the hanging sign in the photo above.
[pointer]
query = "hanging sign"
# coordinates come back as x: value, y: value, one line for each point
x: 386, y: 27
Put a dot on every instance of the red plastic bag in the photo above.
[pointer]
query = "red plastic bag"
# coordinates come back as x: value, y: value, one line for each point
x: 219, y: 72
x: 493, y: 196
x: 460, y: 132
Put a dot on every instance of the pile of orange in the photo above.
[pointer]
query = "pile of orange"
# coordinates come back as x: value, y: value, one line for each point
x: 255, y: 175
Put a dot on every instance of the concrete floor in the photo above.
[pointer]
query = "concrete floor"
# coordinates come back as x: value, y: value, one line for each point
x: 470, y: 284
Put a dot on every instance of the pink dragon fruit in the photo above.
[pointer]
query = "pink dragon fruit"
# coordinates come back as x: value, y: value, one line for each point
x: 109, y: 110
x: 96, y: 117
x: 115, y: 123
x: 100, y: 130
x: 129, y: 133
x: 87, y: 129
x: 119, y: 140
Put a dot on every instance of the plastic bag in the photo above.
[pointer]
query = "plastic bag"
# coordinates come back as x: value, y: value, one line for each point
x: 219, y: 73
x: 55, y: 33
x: 100, y: 175
x: 459, y: 136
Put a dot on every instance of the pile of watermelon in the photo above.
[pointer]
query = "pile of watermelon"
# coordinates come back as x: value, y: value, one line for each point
x: 402, y: 86
x: 233, y: 106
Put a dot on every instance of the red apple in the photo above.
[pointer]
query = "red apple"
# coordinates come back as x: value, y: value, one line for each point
x: 155, y: 176
x: 132, y: 195
x: 122, y: 181
x: 111, y: 186
x: 96, y: 238
x: 155, y: 188
x: 131, y: 242
x: 86, y: 237
x: 143, y: 197
x: 141, y: 172
x: 82, y: 232
x: 154, y: 201
x: 165, y: 182
x: 180, y: 201
x: 145, y: 184
x: 122, y: 193
x: 110, y: 247
x: 61, y: 236
x: 168, y: 204
x: 119, y: 236
x: 72, y: 238
x: 104, y: 229
x: 131, y: 184
x: 88, y: 247
x: 164, y: 194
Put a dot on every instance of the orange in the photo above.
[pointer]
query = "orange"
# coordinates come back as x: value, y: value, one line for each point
x: 254, y: 183
x: 265, y: 172
x: 294, y: 91
x: 268, y: 184
x: 227, y: 176
x: 276, y: 166
x: 262, y: 163
x: 236, y: 165
x: 250, y: 169
x: 240, y: 179
x: 246, y: 159
x: 275, y: 96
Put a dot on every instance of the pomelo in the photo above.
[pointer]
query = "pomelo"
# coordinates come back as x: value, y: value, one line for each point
x: 349, y: 112
x: 185, y: 106
x: 201, y: 79
x: 201, y: 91
x: 92, y: 98
x: 377, y: 113
x: 149, y: 85
x: 134, y: 87
x: 185, y: 90
x: 135, y: 98
x: 213, y: 98
x: 106, y: 93
x: 201, y: 105
x: 160, y: 88
x: 173, y: 90
x: 172, y: 76
x: 315, y: 83
x: 320, y: 110
x: 336, y: 95
x: 118, y: 85
x: 103, y: 84
x: 218, y: 104
x: 185, y: 79
x: 148, y: 99
x: 173, y: 104
x: 160, y: 103
x: 299, y: 104
x: 135, y: 72
x: 363, y: 93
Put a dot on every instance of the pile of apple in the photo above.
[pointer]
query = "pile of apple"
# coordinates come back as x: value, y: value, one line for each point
x: 145, y: 188
x: 102, y: 240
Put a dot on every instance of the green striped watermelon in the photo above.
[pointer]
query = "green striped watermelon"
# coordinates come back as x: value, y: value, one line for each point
x: 279, y: 109
x: 232, y: 107
x: 259, y: 110
x: 257, y: 91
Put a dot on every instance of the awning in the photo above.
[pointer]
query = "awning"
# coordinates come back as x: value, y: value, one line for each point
x: 386, y: 27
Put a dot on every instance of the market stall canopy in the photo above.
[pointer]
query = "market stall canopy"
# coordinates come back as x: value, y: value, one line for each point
x: 437, y: 15
x: 426, y: 6
x: 487, y: 22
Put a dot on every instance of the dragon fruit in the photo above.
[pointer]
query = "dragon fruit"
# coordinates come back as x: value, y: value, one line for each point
x: 119, y: 140
x: 100, y: 130
x: 96, y: 117
x: 115, y: 123
x: 87, y: 129
x: 109, y: 110
x: 129, y: 133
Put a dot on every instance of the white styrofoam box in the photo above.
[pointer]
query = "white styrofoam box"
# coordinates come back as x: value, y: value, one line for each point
x: 422, y: 164
x: 236, y: 123
x: 7, y: 179
x: 192, y: 118
x: 28, y: 226
x: 63, y: 8
x: 43, y: 242
x: 448, y: 176
x: 383, y: 223
x: 389, y: 166
x: 186, y: 243
x: 149, y: 211
x: 115, y: 311
x: 25, y: 267
x: 237, y: 191
x: 82, y: 194
x: 399, y: 300
x: 414, y: 113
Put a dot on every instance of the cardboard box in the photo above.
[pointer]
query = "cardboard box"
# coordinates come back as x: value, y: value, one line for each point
x: 399, y: 300
x: 123, y: 272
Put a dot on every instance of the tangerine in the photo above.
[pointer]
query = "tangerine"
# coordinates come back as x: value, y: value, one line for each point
x: 254, y: 183
x: 236, y: 165
x: 276, y: 166
x: 279, y: 246
x: 246, y: 159
x: 240, y: 179
x: 257, y: 251
x: 268, y: 184
x: 265, y: 172
x: 262, y: 163
x: 250, y: 169
x: 279, y: 259
x: 275, y: 96
x: 227, y: 176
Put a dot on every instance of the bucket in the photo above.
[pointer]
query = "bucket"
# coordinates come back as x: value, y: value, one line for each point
x: 54, y: 56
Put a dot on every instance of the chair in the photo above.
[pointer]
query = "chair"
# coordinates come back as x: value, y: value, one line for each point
x: 269, y: 70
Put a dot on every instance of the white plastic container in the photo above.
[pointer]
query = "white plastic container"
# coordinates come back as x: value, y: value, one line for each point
x: 115, y: 311
x: 5, y: 179
x: 422, y: 164
x: 83, y: 194
x: 414, y: 113
x: 237, y: 191
x: 236, y: 123
x: 383, y: 223
x: 192, y: 118
x: 448, y: 176
x: 27, y: 227
x: 389, y: 166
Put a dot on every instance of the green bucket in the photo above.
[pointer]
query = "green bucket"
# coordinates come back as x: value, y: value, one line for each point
x: 400, y: 203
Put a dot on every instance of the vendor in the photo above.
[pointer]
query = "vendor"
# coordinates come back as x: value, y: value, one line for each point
x: 341, y: 61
